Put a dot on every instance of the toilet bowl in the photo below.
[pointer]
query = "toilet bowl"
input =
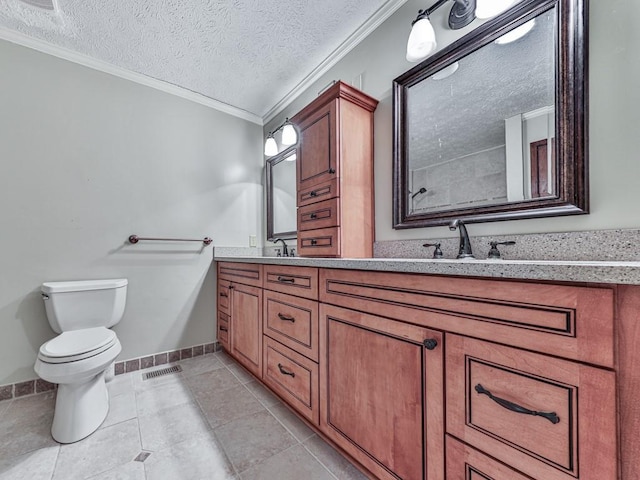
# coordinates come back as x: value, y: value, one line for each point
x: 78, y: 358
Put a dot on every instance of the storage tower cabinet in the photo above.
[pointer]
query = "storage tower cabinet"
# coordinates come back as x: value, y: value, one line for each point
x: 335, y: 174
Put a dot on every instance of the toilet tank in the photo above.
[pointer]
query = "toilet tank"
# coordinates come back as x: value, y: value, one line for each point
x: 84, y: 303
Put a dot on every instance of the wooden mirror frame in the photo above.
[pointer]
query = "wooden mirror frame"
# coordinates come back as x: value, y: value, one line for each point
x: 272, y: 162
x: 571, y: 114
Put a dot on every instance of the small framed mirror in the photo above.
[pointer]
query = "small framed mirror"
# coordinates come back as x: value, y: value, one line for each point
x: 281, y: 195
x: 494, y: 126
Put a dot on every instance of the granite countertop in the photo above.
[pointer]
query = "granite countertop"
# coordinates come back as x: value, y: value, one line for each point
x: 554, y: 270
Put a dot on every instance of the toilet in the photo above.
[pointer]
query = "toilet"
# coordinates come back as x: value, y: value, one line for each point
x: 82, y: 312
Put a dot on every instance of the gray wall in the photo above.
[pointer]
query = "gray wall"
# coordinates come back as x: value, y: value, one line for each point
x: 614, y: 117
x: 86, y: 159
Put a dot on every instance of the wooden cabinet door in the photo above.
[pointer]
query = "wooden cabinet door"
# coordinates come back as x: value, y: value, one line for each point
x: 316, y: 161
x: 381, y: 393
x: 246, y: 326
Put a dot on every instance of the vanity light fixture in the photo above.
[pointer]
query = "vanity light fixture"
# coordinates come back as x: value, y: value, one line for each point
x: 289, y: 137
x: 270, y: 146
x: 422, y: 39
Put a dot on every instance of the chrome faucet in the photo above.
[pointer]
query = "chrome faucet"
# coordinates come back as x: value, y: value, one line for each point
x: 285, y: 251
x: 465, y: 243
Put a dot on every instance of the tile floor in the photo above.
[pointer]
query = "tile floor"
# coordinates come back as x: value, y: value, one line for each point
x: 211, y: 421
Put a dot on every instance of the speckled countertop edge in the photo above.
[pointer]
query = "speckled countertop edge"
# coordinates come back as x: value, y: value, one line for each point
x: 627, y: 273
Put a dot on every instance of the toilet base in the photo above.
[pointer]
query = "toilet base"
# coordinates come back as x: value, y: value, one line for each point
x: 80, y: 409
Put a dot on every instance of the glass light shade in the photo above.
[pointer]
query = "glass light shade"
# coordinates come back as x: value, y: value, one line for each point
x: 289, y: 135
x: 491, y: 8
x: 422, y: 41
x: 270, y: 146
x: 516, y: 33
x: 446, y: 71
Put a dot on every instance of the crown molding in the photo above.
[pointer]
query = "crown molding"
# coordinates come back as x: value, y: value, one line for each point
x: 102, y: 66
x: 338, y: 54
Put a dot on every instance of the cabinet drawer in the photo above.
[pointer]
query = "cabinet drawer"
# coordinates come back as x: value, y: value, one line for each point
x: 223, y: 296
x: 318, y: 193
x: 318, y: 215
x: 245, y: 273
x: 293, y: 322
x: 531, y: 411
x: 564, y: 321
x: 223, y: 330
x: 293, y: 377
x: 466, y: 463
x: 299, y: 281
x: 319, y: 243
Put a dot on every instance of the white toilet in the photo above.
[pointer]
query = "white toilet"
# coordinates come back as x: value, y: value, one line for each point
x: 77, y: 360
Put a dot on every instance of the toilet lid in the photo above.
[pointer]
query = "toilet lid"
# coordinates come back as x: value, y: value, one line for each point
x: 78, y: 343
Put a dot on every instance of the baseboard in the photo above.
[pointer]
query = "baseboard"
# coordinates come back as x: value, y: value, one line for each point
x: 37, y: 385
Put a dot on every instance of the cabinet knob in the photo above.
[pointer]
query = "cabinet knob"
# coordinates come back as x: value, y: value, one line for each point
x: 314, y: 241
x: 313, y: 193
x: 313, y: 215
x: 430, y: 343
x: 332, y: 170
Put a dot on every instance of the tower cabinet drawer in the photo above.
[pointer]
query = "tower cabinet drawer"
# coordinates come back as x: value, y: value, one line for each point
x: 292, y: 376
x: 318, y: 193
x: 551, y: 419
x: 319, y: 215
x: 293, y: 322
x: 324, y: 242
x: 299, y: 281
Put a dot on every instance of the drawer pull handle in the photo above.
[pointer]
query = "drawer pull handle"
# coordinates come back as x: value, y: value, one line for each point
x: 286, y: 372
x: 313, y: 215
x: 314, y: 241
x: 224, y: 295
x: 224, y: 329
x: 313, y: 193
x: 286, y: 318
x: 552, y: 417
x: 286, y: 280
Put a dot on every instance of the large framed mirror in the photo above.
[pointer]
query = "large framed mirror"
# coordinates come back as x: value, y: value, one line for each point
x: 281, y: 195
x: 494, y: 126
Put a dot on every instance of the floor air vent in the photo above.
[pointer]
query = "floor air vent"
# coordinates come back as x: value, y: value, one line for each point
x: 160, y: 373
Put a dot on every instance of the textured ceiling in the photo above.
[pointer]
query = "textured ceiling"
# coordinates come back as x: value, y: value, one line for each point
x: 465, y: 112
x: 246, y: 53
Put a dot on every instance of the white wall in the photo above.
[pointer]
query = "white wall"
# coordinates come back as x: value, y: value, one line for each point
x: 614, y: 113
x: 86, y: 159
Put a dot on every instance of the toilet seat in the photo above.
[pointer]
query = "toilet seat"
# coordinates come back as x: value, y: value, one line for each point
x: 75, y: 345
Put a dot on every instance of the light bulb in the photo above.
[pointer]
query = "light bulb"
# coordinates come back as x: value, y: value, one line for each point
x: 491, y: 8
x: 270, y: 146
x: 516, y: 33
x: 289, y: 135
x: 422, y: 41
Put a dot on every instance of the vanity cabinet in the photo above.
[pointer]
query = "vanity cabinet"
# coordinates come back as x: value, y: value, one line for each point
x: 519, y: 380
x: 239, y: 288
x: 335, y: 174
